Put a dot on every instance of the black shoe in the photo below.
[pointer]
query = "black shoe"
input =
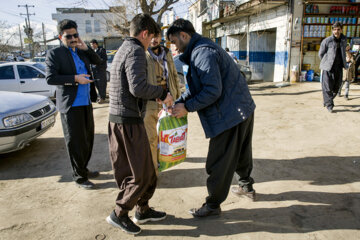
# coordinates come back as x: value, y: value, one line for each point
x: 330, y: 109
x: 241, y: 192
x: 123, y: 222
x: 346, y: 98
x: 149, y: 215
x: 93, y: 174
x: 205, y: 211
x: 85, y: 185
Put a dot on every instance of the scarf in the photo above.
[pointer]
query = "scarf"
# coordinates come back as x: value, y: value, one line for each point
x: 164, y: 65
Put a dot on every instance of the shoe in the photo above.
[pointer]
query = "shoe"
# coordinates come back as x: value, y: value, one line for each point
x: 101, y: 101
x: 85, y: 185
x: 93, y: 174
x: 123, y: 222
x: 205, y: 211
x: 330, y: 109
x: 149, y: 215
x: 346, y: 98
x: 240, y: 192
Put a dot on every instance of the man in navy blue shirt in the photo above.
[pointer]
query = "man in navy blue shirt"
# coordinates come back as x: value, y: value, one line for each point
x: 68, y: 67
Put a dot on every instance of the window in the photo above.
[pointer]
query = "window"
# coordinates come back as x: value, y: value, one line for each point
x: 7, y: 72
x: 40, y: 66
x: 96, y: 25
x: 88, y: 28
x: 27, y: 72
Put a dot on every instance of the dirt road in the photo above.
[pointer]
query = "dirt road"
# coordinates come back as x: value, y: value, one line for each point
x: 306, y: 168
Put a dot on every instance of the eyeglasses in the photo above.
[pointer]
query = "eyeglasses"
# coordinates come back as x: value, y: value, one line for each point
x: 70, y: 36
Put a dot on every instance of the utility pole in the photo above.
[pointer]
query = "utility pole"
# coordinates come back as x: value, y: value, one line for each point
x: 21, y: 43
x: 44, y: 36
x: 28, y: 30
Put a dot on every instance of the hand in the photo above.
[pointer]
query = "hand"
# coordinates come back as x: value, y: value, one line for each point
x: 81, y: 45
x: 179, y: 110
x: 168, y: 101
x: 82, y: 79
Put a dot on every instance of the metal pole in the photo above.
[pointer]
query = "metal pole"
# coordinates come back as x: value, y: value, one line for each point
x: 21, y: 43
x: 44, y: 36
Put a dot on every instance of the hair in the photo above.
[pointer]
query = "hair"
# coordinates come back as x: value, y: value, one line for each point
x: 66, y: 24
x: 94, y: 41
x: 180, y: 25
x: 337, y: 25
x: 142, y: 22
x: 227, y: 49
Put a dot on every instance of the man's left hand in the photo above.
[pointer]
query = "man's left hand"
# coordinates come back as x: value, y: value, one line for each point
x: 179, y: 110
x: 81, y: 45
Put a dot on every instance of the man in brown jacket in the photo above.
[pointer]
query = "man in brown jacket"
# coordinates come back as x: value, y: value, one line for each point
x: 129, y: 147
x: 161, y: 72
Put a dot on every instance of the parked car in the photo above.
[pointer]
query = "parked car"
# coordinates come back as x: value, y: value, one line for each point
x: 38, y: 59
x: 25, y: 77
x: 23, y: 117
x: 110, y: 56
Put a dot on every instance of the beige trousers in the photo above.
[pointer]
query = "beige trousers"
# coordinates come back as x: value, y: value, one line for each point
x: 150, y: 121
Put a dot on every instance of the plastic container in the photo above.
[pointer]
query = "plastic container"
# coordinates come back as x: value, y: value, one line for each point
x: 310, y: 75
x: 303, y: 76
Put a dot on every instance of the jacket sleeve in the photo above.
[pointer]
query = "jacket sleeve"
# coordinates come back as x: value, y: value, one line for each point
x: 206, y: 61
x: 135, y: 68
x: 53, y: 75
x: 323, y: 49
x: 93, y: 56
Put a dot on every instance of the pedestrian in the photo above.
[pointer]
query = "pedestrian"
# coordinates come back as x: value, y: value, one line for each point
x: 231, y: 54
x: 348, y: 73
x: 333, y: 60
x: 129, y: 147
x: 161, y: 72
x: 220, y: 95
x: 68, y: 67
x: 100, y: 71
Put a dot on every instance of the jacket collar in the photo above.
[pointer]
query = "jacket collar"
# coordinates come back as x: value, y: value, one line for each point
x: 342, y: 37
x: 185, y: 57
x: 134, y: 40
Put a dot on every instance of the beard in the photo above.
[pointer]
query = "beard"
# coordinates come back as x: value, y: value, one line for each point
x: 158, y: 47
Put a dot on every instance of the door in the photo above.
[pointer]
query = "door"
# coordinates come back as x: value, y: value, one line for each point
x: 32, y: 81
x: 8, y: 82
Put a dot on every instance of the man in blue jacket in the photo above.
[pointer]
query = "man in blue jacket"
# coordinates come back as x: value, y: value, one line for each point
x: 220, y: 95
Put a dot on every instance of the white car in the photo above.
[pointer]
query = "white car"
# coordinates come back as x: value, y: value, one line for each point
x: 25, y: 77
x: 23, y: 117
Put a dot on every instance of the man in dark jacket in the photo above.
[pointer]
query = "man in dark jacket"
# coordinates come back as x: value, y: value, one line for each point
x: 220, y: 95
x: 100, y: 71
x: 68, y: 67
x: 333, y: 60
x: 129, y: 147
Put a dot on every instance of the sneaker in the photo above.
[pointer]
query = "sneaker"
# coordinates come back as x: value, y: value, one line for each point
x: 85, y: 185
x: 241, y: 192
x: 93, y: 174
x: 149, y: 215
x: 124, y: 223
x: 205, y: 211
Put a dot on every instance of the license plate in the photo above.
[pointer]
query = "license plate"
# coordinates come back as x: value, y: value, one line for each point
x: 47, y: 122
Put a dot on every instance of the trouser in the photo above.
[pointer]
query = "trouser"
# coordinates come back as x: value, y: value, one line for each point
x: 150, y: 120
x: 229, y: 152
x: 330, y: 83
x: 345, y: 83
x: 78, y: 128
x: 101, y: 83
x: 134, y: 172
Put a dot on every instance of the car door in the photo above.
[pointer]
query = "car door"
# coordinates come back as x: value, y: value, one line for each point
x: 32, y: 81
x: 8, y: 81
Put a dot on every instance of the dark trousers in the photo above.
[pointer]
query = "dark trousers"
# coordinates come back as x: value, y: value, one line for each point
x: 101, y: 83
x: 229, y: 152
x: 78, y: 128
x: 134, y: 171
x: 331, y: 83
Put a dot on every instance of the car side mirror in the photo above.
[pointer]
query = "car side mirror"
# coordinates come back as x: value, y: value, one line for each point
x: 40, y: 75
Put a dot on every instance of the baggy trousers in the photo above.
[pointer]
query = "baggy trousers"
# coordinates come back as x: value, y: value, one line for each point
x: 78, y: 128
x: 101, y: 83
x: 230, y: 152
x: 331, y: 83
x: 134, y: 171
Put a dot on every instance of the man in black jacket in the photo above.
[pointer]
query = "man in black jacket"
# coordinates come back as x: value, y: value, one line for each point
x: 100, y: 71
x: 68, y: 67
x: 129, y: 147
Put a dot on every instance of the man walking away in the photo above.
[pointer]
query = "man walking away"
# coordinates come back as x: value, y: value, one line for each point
x: 100, y: 71
x: 129, y: 147
x: 220, y: 95
x: 333, y: 60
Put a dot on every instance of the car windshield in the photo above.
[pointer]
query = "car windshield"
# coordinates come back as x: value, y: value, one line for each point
x: 40, y: 66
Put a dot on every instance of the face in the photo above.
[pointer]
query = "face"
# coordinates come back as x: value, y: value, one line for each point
x: 337, y: 31
x: 145, y: 38
x: 93, y: 45
x: 180, y: 40
x: 155, y: 41
x: 68, y: 38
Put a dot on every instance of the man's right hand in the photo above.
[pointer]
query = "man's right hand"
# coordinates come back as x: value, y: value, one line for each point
x: 83, y: 79
x: 168, y: 101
